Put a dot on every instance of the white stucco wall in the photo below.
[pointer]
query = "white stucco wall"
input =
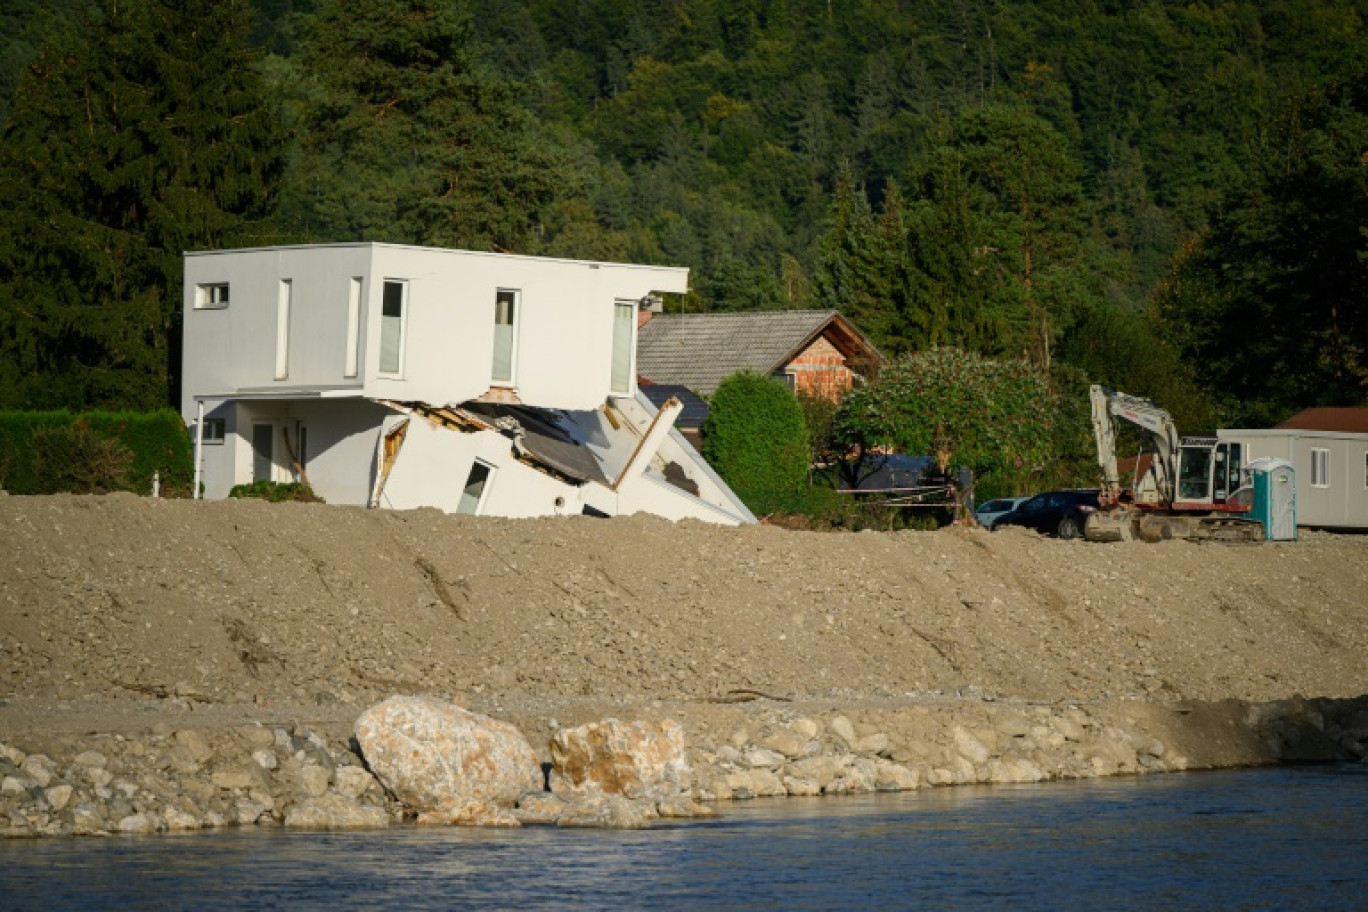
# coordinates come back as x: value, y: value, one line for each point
x: 564, y: 322
x: 434, y: 463
x: 340, y: 450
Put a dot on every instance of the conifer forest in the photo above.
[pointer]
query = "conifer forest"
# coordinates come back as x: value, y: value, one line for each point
x: 1168, y: 197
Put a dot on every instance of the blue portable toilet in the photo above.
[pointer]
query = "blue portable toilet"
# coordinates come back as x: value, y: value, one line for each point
x: 1274, y: 484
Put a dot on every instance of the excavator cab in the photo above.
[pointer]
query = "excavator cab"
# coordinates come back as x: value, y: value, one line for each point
x: 1208, y: 473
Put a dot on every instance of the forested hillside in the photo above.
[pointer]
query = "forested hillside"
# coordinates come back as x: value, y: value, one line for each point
x: 1168, y: 197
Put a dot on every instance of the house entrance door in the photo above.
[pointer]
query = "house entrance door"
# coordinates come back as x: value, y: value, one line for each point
x: 263, y: 452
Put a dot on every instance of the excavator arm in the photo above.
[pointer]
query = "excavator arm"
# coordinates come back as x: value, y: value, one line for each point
x: 1109, y: 405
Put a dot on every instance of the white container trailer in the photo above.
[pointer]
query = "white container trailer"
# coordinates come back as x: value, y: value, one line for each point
x: 1331, y: 469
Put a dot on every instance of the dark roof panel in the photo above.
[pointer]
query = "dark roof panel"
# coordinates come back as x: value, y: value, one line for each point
x: 695, y: 409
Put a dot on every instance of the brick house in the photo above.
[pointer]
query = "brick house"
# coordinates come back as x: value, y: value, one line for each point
x: 815, y: 352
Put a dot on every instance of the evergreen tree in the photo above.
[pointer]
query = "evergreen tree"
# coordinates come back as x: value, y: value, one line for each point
x: 1269, y: 303
x: 409, y: 139
x: 139, y: 132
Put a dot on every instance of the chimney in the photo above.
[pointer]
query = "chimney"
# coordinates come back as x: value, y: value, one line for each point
x: 647, y: 307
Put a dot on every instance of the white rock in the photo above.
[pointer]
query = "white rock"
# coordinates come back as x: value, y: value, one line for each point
x: 969, y: 747
x: 842, y: 728
x: 314, y: 779
x: 266, y: 759
x: 352, y: 781
x: 58, y: 796
x: 760, y: 758
x: 138, y: 823
x: 335, y: 812
x: 433, y: 754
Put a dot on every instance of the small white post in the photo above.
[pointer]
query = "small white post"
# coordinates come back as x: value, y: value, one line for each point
x: 199, y: 448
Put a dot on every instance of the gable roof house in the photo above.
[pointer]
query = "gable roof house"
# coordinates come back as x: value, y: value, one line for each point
x: 401, y: 377
x: 816, y: 352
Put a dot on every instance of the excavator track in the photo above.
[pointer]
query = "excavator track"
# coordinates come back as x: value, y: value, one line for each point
x: 1122, y: 525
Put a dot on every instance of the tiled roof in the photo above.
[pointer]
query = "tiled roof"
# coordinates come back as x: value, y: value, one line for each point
x: 701, y: 350
x: 1341, y: 419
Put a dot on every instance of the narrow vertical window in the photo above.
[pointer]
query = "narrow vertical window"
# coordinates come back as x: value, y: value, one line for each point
x: 1320, y: 467
x: 476, y: 484
x: 624, y: 322
x: 353, y: 326
x: 505, y: 334
x: 282, y: 362
x: 392, y: 328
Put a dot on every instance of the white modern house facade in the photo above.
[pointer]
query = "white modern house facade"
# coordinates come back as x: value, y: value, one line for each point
x: 402, y: 377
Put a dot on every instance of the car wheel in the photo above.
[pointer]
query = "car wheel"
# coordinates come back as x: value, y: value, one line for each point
x: 1068, y: 527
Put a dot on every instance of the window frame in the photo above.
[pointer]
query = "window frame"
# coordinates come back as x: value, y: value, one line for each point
x: 208, y: 437
x: 631, y: 307
x: 491, y: 471
x: 402, y: 346
x: 207, y: 295
x: 1319, y: 455
x: 284, y: 305
x: 515, y: 323
x: 351, y: 365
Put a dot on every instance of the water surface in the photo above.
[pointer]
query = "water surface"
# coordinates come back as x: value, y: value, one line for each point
x: 1284, y: 839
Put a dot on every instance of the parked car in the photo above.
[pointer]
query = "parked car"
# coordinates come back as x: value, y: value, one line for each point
x: 990, y: 511
x: 1061, y: 513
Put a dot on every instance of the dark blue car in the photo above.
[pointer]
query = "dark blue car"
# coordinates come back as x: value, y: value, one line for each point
x: 1061, y: 513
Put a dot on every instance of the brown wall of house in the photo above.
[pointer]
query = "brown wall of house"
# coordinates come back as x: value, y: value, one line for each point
x: 821, y: 370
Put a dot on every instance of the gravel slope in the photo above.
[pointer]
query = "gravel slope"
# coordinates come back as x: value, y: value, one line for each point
x: 111, y: 607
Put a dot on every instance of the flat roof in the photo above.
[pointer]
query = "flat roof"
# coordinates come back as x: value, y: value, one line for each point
x: 448, y: 250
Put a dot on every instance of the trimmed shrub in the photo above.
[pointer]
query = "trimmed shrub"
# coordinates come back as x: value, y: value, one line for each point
x: 46, y: 452
x: 275, y: 492
x: 757, y: 441
x: 74, y: 459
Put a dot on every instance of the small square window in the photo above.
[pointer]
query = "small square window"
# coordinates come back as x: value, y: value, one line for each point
x: 211, y: 296
x: 214, y: 430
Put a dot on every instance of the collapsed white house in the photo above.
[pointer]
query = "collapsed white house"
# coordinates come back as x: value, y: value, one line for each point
x: 403, y: 377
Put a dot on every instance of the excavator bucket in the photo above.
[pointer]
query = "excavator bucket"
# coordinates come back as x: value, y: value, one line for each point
x: 1108, y: 526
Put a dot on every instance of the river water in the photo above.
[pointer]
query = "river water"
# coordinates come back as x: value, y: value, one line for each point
x: 1279, y: 839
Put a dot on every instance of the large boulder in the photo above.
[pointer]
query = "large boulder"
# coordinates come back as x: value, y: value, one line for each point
x: 637, y: 760
x: 444, y: 761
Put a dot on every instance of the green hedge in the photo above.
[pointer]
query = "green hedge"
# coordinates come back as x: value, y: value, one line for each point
x: 756, y: 439
x: 94, y: 452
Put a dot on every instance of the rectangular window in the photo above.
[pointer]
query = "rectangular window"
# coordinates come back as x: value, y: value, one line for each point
x: 263, y: 452
x: 353, y: 326
x: 624, y: 322
x: 212, y: 296
x: 505, y: 335
x: 282, y: 364
x: 214, y: 430
x: 392, y: 327
x: 1320, y: 467
x: 477, y: 483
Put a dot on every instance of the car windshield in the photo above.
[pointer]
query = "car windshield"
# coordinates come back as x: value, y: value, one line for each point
x: 996, y: 506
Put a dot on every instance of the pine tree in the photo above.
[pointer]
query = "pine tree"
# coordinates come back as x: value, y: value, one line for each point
x: 138, y: 133
x: 409, y: 139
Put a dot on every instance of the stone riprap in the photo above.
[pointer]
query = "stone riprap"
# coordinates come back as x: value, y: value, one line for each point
x: 164, y: 780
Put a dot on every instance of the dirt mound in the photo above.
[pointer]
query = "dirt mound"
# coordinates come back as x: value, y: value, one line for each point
x: 216, y: 604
